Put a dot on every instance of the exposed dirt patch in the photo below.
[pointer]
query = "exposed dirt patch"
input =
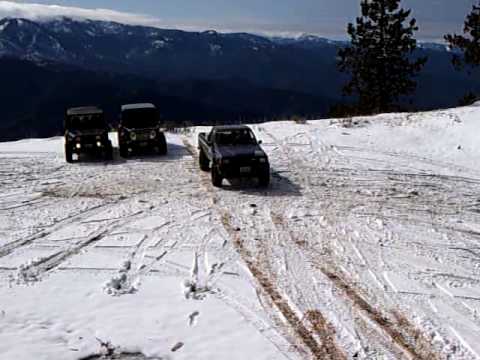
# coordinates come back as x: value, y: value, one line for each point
x: 322, y: 328
x: 399, y: 329
x: 322, y: 350
x: 120, y: 356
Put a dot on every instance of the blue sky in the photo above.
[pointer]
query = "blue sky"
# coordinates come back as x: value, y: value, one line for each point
x: 323, y: 17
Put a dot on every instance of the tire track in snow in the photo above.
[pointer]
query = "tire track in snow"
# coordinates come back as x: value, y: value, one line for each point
x: 401, y: 332
x: 263, y: 282
x: 33, y: 271
x: 326, y: 348
x: 405, y: 336
x: 9, y: 248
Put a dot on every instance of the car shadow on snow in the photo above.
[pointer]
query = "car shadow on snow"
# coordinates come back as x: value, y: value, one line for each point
x: 280, y: 185
x: 175, y: 152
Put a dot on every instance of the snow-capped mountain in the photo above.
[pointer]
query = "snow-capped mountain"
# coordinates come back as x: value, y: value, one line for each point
x: 239, y: 76
x: 27, y: 39
x: 101, y: 44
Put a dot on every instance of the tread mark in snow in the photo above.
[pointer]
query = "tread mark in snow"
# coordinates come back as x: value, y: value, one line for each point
x: 420, y: 349
x: 246, y: 311
x: 327, y: 348
x: 31, y: 272
x: 14, y: 245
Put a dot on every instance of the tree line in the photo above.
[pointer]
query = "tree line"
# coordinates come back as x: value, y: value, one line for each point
x: 380, y: 58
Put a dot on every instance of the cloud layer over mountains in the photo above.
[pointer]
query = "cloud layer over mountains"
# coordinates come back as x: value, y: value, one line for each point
x: 38, y: 12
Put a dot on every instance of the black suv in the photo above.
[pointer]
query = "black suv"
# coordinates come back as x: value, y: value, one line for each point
x: 233, y: 151
x: 140, y: 129
x: 86, y: 132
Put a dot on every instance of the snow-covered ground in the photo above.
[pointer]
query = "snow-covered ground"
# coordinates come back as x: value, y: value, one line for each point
x: 366, y: 246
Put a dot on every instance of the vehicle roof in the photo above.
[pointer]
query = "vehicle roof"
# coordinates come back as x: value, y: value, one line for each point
x: 138, y: 106
x: 230, y: 127
x: 84, y: 110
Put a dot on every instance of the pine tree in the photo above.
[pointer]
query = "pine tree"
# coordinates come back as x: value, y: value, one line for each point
x: 469, y: 45
x: 379, y: 58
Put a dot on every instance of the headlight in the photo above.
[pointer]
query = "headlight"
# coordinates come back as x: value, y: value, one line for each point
x: 99, y: 143
x: 99, y: 137
x: 133, y: 136
x: 153, y: 134
x: 78, y: 146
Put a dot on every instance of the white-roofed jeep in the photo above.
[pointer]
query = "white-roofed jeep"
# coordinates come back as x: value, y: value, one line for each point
x: 86, y: 132
x: 140, y: 130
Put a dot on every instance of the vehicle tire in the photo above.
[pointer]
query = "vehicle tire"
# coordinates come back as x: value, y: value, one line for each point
x: 108, y: 152
x: 68, y: 154
x: 162, y: 145
x: 216, y: 178
x: 123, y: 152
x: 203, y: 161
x: 264, y: 179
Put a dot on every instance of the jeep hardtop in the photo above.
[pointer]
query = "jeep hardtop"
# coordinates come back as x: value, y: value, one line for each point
x: 86, y: 131
x: 140, y: 129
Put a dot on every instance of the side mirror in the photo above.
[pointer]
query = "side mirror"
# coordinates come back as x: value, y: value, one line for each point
x: 260, y: 142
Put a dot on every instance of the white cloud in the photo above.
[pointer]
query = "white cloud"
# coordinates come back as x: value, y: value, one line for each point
x: 45, y: 12
x: 39, y: 12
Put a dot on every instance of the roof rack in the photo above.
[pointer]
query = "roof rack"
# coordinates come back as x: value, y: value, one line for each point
x: 138, y: 106
x: 85, y: 110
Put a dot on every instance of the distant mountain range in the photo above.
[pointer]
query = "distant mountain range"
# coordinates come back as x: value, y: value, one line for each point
x: 214, y: 76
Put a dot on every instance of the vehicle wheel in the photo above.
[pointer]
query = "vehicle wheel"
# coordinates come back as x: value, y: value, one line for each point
x: 108, y: 152
x: 203, y: 161
x: 264, y: 179
x: 162, y: 145
x: 68, y: 155
x: 123, y: 152
x: 216, y: 178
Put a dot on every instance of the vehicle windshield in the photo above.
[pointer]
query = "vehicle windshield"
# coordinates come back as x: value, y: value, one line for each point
x: 140, y: 118
x: 235, y: 137
x: 86, y: 122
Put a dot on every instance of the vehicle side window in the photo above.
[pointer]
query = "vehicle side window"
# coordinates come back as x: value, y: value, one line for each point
x: 209, y: 137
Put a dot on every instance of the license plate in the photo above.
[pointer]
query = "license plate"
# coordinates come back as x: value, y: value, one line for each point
x: 143, y: 144
x: 245, y: 170
x: 89, y: 146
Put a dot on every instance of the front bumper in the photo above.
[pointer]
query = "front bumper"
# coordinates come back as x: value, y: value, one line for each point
x: 78, y: 147
x: 139, y: 144
x: 244, y: 170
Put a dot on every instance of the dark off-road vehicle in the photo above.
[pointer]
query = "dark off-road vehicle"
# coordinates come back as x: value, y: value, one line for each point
x: 140, y: 130
x: 86, y: 132
x: 233, y: 152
